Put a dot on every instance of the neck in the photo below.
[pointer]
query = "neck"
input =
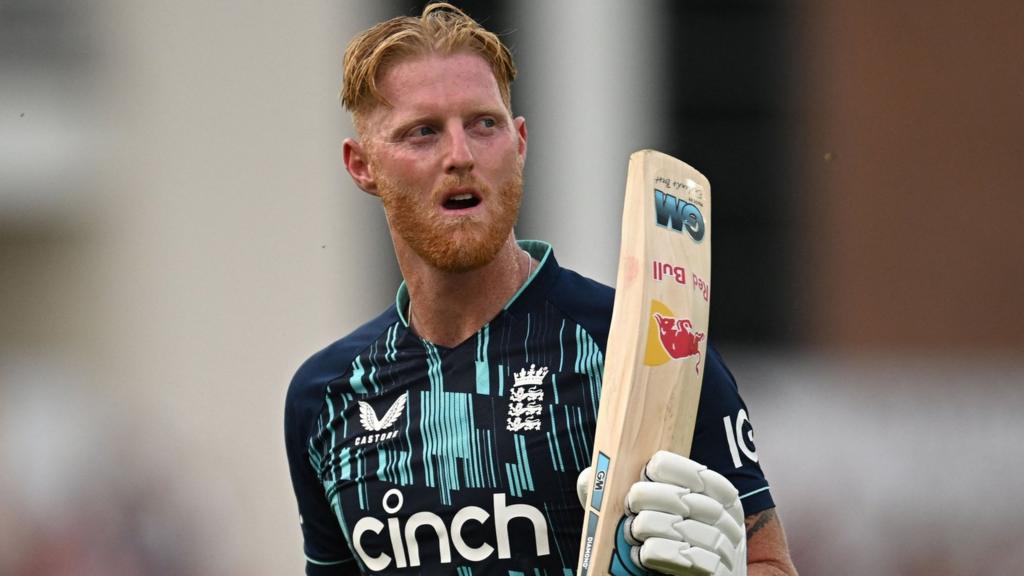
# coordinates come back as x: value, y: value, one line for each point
x: 446, y: 308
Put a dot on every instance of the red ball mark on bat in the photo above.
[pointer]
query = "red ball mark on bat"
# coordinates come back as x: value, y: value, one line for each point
x: 678, y: 337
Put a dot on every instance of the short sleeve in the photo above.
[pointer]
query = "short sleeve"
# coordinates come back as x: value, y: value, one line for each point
x: 724, y: 437
x: 324, y: 544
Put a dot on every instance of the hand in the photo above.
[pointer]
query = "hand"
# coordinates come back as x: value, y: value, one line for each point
x: 682, y: 519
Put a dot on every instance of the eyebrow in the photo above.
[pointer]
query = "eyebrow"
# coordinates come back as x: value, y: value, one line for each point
x: 404, y: 126
x: 433, y: 119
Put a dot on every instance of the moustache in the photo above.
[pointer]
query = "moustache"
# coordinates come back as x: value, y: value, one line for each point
x: 451, y: 183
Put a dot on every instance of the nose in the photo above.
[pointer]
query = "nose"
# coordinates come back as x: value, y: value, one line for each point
x: 459, y: 157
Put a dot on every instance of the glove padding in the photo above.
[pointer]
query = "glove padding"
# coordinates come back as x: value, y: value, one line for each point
x: 682, y: 519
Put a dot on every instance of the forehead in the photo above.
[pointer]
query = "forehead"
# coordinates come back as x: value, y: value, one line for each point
x: 426, y: 82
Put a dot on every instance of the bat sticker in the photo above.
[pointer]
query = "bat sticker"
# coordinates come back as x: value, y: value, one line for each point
x: 678, y: 214
x: 600, y: 475
x: 670, y: 337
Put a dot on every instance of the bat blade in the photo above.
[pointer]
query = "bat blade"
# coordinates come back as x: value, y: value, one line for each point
x: 654, y: 361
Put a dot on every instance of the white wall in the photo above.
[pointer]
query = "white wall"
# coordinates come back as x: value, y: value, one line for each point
x: 157, y: 300
x: 590, y: 89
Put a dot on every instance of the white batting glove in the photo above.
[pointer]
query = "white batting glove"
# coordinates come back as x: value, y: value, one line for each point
x: 682, y: 519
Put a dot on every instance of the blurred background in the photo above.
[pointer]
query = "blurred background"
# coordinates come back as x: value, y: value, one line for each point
x: 177, y: 234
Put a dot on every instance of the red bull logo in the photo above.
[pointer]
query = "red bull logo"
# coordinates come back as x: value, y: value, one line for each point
x: 678, y: 336
x: 670, y: 337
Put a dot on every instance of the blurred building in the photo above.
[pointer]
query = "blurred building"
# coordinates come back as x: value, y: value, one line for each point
x: 177, y: 234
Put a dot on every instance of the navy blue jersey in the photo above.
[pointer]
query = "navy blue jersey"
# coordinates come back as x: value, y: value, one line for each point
x: 412, y: 458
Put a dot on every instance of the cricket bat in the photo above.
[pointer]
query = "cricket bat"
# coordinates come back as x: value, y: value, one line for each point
x: 654, y: 361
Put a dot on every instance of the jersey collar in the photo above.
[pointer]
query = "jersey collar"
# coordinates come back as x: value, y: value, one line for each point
x: 540, y: 251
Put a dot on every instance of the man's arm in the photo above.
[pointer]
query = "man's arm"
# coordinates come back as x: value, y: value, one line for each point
x: 767, y: 550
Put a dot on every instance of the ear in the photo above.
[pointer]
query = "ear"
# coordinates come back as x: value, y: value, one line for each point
x: 357, y: 162
x: 520, y: 125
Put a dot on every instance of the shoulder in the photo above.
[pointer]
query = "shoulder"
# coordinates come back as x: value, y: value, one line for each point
x: 719, y: 393
x: 587, y: 302
x: 723, y: 438
x: 307, y: 390
x: 717, y: 373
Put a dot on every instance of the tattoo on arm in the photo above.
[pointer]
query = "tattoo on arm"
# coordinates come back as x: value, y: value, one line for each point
x: 758, y: 521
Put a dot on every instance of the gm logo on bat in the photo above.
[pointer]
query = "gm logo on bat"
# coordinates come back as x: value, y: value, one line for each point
x: 678, y: 214
x: 603, y: 462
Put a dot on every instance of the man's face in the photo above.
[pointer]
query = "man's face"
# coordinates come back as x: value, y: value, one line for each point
x: 446, y: 159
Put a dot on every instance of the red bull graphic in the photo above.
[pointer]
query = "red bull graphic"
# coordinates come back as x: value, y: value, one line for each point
x: 701, y: 286
x: 678, y: 336
x: 667, y: 271
x: 671, y: 338
x: 663, y: 269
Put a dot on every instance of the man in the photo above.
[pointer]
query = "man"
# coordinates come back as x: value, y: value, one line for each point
x: 447, y: 435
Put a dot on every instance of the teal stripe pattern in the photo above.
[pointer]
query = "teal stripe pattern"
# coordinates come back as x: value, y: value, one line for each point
x: 526, y: 339
x: 453, y: 450
x: 371, y: 376
x: 508, y: 413
x: 392, y: 349
x: 589, y: 362
x: 555, y: 450
x: 572, y: 442
x: 758, y: 491
x: 558, y: 548
x: 520, y: 478
x: 356, y: 380
x: 483, y: 368
x: 569, y: 432
x: 331, y: 488
x: 360, y: 477
x: 561, y: 347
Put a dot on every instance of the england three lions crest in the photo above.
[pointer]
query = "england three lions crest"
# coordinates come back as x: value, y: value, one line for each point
x: 526, y: 399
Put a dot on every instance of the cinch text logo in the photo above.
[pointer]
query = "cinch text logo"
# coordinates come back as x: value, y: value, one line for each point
x: 405, y: 540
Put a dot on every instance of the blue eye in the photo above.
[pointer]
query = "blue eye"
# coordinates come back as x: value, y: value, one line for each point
x: 489, y: 122
x: 424, y: 131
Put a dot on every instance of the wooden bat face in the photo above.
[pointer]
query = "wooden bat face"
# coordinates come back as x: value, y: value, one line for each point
x: 653, y: 362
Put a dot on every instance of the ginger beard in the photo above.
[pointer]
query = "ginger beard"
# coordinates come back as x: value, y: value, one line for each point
x: 452, y: 242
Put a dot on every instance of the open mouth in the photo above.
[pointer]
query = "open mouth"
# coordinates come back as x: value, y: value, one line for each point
x: 461, y: 201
